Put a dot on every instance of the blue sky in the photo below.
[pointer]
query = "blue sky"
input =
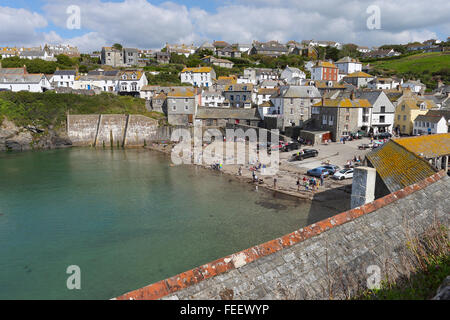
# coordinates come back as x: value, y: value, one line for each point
x: 152, y: 23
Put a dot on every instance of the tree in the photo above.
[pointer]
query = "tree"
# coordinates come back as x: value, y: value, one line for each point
x: 64, y: 60
x: 117, y: 46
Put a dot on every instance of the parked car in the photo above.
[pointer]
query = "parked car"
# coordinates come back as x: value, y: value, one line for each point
x: 365, y: 146
x: 343, y: 174
x: 383, y: 135
x: 290, y: 146
x: 317, y: 172
x: 332, y: 168
x: 307, y: 153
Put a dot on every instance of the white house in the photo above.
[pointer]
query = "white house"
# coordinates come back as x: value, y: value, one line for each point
x: 106, y: 81
x: 430, y: 124
x: 198, y: 77
x: 213, y: 99
x: 414, y: 86
x: 385, y: 83
x: 348, y: 65
x: 379, y: 118
x: 36, y: 54
x: 24, y: 82
x: 131, y: 82
x: 64, y: 78
x: 292, y: 75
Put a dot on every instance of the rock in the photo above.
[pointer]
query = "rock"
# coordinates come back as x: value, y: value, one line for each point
x: 443, y: 293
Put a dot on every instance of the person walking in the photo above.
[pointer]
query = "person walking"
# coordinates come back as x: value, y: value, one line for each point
x: 275, y: 182
x: 321, y: 179
x: 298, y: 183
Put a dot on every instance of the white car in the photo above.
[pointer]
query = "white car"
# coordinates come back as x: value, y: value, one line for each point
x: 343, y: 174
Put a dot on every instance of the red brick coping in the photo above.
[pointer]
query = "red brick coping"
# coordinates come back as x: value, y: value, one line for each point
x: 191, y: 277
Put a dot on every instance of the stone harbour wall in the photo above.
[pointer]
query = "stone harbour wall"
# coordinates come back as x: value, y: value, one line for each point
x: 329, y: 259
x: 114, y: 129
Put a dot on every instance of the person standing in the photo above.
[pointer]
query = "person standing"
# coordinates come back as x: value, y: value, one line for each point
x: 275, y: 182
x: 298, y: 183
x: 321, y: 179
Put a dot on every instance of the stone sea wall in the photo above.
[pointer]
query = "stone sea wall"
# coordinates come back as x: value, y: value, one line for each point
x: 114, y: 130
x: 330, y: 259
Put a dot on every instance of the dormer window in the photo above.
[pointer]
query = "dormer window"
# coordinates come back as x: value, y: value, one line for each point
x: 124, y: 77
x: 423, y: 106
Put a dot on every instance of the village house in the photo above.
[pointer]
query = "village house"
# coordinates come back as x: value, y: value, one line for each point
x: 409, y: 107
x: 223, y: 81
x: 57, y: 49
x: 181, y: 49
x: 206, y: 46
x: 162, y: 57
x: 381, y: 115
x: 243, y: 47
x: 131, y: 82
x: 198, y: 76
x: 385, y: 83
x: 99, y: 81
x: 240, y: 95
x: 324, y: 70
x: 182, y: 103
x: 125, y: 57
x: 228, y: 52
x: 270, y: 48
x: 414, y: 86
x: 213, y: 99
x: 293, y: 104
x: 348, y: 65
x: 292, y: 76
x: 220, y: 117
x: 363, y: 49
x: 330, y: 88
x: 258, y: 75
x: 264, y: 94
x: 223, y: 63
x: 322, y: 43
x: 430, y: 124
x: 339, y: 116
x: 381, y: 53
x: 359, y: 79
x: 149, y: 91
x: 18, y: 79
x: 8, y: 52
x: 64, y: 78
x: 36, y: 54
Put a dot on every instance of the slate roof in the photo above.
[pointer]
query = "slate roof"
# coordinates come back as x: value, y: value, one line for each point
x: 398, y: 167
x: 298, y: 92
x: 21, y: 78
x: 65, y: 73
x: 228, y: 113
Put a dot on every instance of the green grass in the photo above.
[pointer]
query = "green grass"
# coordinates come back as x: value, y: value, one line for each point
x: 419, y: 63
x: 430, y: 256
x: 44, y: 109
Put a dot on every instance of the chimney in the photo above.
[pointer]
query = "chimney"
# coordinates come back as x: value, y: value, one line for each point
x: 363, y: 187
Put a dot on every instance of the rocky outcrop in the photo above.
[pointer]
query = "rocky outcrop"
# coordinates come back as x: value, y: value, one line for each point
x: 443, y: 293
x: 14, y: 138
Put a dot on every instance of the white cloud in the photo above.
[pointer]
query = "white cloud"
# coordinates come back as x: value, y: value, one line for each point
x: 138, y: 23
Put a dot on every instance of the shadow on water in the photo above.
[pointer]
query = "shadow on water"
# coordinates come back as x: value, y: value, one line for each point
x: 329, y: 203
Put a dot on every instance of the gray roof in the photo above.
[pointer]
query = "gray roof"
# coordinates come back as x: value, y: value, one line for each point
x: 372, y: 96
x: 21, y: 78
x: 30, y: 53
x: 429, y: 118
x: 12, y: 71
x: 65, y: 73
x: 228, y: 113
x: 298, y: 92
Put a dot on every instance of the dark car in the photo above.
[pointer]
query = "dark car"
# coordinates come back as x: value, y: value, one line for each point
x: 319, y: 171
x: 307, y: 153
x: 383, y: 135
x: 290, y: 146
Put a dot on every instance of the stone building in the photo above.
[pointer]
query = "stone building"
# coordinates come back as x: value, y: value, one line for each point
x: 182, y: 105
x: 240, y: 95
x: 339, y: 116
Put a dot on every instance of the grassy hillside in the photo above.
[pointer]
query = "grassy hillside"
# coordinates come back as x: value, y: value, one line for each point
x: 44, y: 109
x: 428, y: 67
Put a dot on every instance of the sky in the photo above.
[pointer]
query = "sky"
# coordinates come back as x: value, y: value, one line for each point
x: 149, y: 24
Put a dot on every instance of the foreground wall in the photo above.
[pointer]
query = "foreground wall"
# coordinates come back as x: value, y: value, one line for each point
x: 326, y: 260
x: 114, y: 129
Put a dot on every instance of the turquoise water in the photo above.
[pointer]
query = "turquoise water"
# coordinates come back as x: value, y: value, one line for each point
x: 126, y: 218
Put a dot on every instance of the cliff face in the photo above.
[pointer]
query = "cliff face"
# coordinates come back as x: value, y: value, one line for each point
x: 15, y: 138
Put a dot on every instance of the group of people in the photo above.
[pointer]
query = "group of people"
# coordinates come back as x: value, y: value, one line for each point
x: 356, y: 161
x: 312, y: 183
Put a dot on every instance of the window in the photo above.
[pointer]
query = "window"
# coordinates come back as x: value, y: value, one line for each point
x: 403, y: 108
x: 383, y: 109
x: 398, y: 117
x: 382, y: 119
x: 404, y: 118
x: 174, y: 108
x: 186, y: 108
x: 324, y: 119
x: 231, y: 97
x: 291, y: 101
x: 292, y: 111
